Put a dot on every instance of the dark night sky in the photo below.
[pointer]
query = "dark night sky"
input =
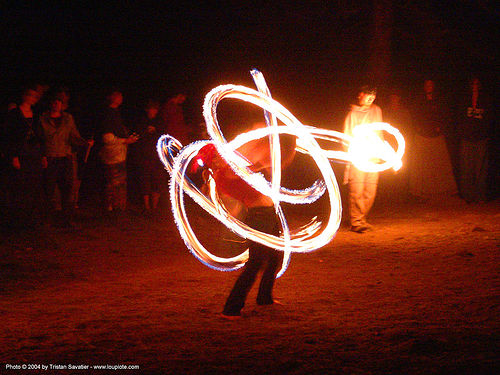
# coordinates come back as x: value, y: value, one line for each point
x: 311, y: 54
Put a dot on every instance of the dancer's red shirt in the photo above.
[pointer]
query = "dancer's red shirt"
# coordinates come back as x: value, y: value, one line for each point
x: 226, y: 180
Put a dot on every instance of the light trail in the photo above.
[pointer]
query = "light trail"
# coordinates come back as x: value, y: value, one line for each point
x: 365, y: 149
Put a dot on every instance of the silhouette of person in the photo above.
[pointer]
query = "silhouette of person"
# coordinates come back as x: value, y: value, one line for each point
x: 115, y: 140
x: 431, y: 171
x: 474, y: 129
x: 26, y: 154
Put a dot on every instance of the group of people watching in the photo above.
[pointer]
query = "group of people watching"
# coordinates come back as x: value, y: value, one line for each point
x: 448, y: 151
x: 43, y: 151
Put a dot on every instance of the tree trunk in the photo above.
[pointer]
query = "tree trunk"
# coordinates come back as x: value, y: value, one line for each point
x: 380, y: 46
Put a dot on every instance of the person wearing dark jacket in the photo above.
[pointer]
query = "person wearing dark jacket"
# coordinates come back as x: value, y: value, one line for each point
x: 474, y: 129
x: 152, y: 174
x: 431, y: 169
x: 26, y: 156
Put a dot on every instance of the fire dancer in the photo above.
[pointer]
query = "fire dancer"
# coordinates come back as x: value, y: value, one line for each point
x: 362, y: 185
x: 260, y: 215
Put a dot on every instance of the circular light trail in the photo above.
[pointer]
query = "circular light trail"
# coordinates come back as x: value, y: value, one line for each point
x: 365, y: 149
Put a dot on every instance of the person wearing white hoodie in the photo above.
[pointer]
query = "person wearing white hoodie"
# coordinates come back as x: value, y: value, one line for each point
x: 362, y: 185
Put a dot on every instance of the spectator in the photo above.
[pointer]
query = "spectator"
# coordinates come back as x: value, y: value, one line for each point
x: 115, y: 140
x: 76, y: 152
x: 26, y: 156
x: 60, y: 135
x: 431, y: 171
x: 474, y: 129
x: 152, y: 175
x: 172, y: 117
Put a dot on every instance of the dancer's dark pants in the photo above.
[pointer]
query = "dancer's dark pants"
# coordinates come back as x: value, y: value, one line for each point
x: 260, y: 257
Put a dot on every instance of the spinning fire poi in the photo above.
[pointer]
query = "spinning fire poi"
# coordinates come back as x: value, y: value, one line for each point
x: 365, y: 149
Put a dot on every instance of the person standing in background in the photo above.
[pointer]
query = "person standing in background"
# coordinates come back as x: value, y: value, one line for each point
x: 115, y: 140
x: 152, y: 174
x: 474, y: 130
x: 431, y: 170
x: 63, y: 94
x: 172, y: 116
x: 25, y: 144
x: 362, y: 185
x: 60, y: 134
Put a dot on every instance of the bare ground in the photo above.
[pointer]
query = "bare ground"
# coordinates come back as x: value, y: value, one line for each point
x: 419, y: 295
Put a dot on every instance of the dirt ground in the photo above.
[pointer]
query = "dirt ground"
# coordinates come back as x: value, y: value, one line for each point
x: 419, y: 295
